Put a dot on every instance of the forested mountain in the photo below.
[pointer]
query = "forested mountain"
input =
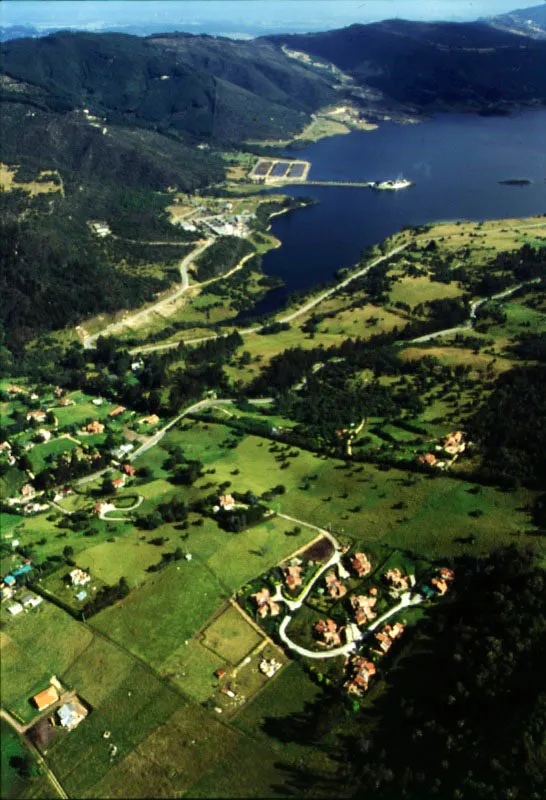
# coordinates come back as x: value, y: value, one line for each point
x: 434, y: 65
x: 197, y: 87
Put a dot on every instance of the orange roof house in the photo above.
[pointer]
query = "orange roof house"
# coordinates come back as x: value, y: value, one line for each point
x: 446, y: 574
x: 116, y: 411
x: 363, y: 608
x: 334, y: 587
x: 66, y: 401
x: 440, y: 585
x: 227, y: 502
x: 292, y: 576
x: 39, y: 416
x: 117, y: 483
x: 46, y: 698
x: 361, y: 564
x: 395, y: 577
x: 129, y: 470
x: 361, y: 671
x: 328, y: 630
x: 265, y: 604
x: 95, y: 427
x: 386, y: 637
x: 428, y: 458
x: 153, y: 419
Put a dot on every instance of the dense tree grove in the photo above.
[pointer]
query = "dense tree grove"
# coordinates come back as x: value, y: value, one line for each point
x: 465, y: 715
x: 509, y: 427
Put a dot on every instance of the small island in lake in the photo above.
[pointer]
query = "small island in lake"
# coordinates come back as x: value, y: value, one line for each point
x: 516, y: 182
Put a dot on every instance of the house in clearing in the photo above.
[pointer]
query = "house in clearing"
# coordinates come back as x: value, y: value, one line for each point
x: 152, y: 419
x: 363, y: 608
x: 118, y: 483
x: 129, y: 470
x: 265, y: 604
x: 397, y: 580
x: 361, y: 564
x: 95, y: 427
x: 360, y: 671
x: 38, y: 416
x: 334, y: 587
x: 79, y: 577
x: 46, y: 698
x: 220, y: 673
x: 66, y: 401
x: 454, y: 444
x: 116, y: 411
x: 58, y: 392
x: 442, y: 582
x: 71, y: 714
x: 428, y: 458
x: 328, y: 632
x: 28, y: 490
x: 227, y: 502
x: 387, y: 636
x: 15, y: 609
x: 292, y: 576
x: 15, y: 389
x: 44, y: 435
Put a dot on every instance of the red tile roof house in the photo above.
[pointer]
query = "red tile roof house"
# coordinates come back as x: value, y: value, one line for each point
x: 428, y: 458
x: 227, y: 502
x: 334, y: 586
x: 95, y: 427
x: 363, y: 606
x: 361, y: 564
x: 329, y: 632
x: 292, y: 576
x: 129, y: 470
x: 395, y: 577
x: 117, y: 483
x: 387, y: 636
x: 265, y: 604
x: 116, y: 411
x: 361, y: 670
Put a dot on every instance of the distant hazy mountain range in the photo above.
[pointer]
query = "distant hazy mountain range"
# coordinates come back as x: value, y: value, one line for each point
x: 525, y: 21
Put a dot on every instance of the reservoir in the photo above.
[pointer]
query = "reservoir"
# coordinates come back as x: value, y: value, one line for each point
x: 456, y: 162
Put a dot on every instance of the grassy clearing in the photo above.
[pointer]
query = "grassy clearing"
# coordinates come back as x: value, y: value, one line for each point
x: 39, y: 455
x: 171, y: 758
x: 230, y: 636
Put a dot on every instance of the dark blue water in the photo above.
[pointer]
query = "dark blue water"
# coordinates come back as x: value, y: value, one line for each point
x: 456, y: 162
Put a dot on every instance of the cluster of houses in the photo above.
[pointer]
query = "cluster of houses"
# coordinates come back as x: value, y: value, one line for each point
x: 24, y: 603
x: 69, y: 714
x: 453, y: 445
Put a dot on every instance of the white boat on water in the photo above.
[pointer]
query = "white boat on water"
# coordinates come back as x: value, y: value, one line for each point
x: 393, y: 186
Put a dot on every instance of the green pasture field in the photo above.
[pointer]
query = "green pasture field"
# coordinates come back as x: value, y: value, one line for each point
x: 230, y: 637
x: 39, y: 454
x: 171, y: 758
x: 191, y: 667
x: 37, y: 644
x: 137, y: 704
x: 170, y: 607
x: 437, y: 508
x: 420, y: 289
x: 264, y: 767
